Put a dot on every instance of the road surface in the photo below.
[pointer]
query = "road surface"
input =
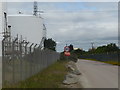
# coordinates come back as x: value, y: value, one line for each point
x: 97, y: 75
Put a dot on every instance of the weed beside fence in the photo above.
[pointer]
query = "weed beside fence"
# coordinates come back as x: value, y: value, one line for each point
x: 20, y: 69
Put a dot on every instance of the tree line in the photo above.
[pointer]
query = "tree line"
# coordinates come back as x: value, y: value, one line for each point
x: 75, y: 53
x: 109, y: 48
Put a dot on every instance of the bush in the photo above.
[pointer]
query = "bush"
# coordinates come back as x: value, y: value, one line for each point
x: 72, y: 57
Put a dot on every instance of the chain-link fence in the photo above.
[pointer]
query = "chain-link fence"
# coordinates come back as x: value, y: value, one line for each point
x: 22, y: 60
x: 102, y: 57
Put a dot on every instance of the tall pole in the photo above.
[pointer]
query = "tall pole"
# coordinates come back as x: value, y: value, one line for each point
x: 35, y: 12
x: 35, y: 8
x: 92, y: 45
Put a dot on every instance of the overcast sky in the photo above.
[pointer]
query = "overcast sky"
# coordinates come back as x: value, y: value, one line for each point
x: 77, y: 23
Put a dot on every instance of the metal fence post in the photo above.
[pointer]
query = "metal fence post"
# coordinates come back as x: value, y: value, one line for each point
x: 13, y: 54
x: 25, y: 64
x: 31, y: 61
x: 26, y: 61
x: 35, y: 60
x: 22, y: 54
x: 3, y: 63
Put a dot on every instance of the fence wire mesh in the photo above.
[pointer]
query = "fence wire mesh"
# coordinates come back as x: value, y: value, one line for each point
x: 21, y: 61
x: 103, y: 57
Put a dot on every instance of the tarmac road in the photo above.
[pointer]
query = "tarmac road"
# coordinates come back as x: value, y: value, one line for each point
x: 97, y: 75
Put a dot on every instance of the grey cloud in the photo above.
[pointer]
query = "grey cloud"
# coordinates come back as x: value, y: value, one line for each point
x: 80, y: 27
x: 109, y: 38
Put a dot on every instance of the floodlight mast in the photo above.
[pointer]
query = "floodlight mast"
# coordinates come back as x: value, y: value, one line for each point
x: 35, y: 12
x: 35, y: 8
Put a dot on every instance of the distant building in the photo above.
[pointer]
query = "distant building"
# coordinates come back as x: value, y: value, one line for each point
x: 29, y: 26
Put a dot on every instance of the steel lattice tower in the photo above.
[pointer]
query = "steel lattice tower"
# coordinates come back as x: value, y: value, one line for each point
x: 35, y: 8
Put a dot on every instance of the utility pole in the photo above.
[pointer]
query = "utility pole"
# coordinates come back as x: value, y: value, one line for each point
x: 66, y: 44
x: 92, y: 45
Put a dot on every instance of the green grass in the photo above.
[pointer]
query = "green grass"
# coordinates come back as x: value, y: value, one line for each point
x: 113, y: 62
x: 50, y: 77
x: 109, y: 62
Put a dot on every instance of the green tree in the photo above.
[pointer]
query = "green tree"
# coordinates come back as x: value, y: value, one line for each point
x: 106, y: 49
x: 71, y: 47
x: 78, y: 52
x: 112, y: 47
x: 50, y: 44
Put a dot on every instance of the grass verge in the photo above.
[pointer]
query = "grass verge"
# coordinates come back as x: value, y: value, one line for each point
x: 50, y: 77
x: 108, y: 62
